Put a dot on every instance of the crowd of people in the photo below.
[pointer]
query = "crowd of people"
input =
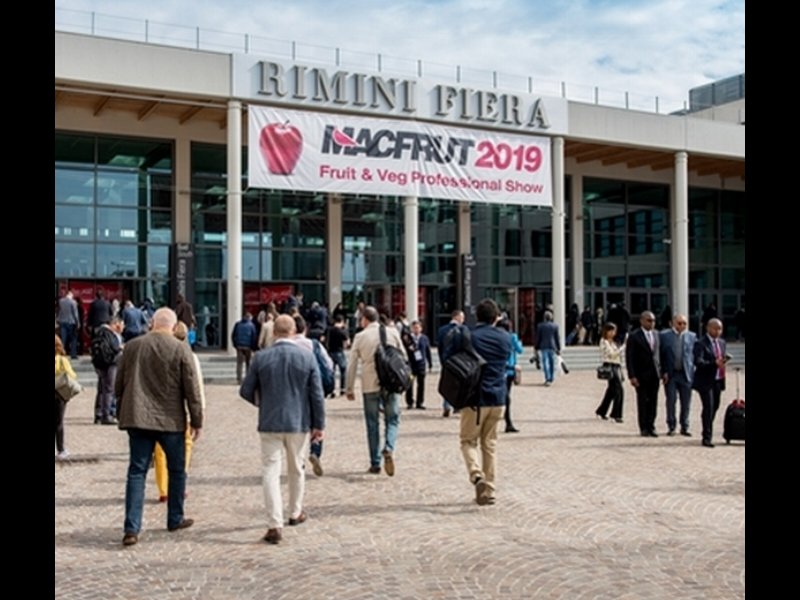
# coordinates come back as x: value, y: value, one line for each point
x: 151, y: 385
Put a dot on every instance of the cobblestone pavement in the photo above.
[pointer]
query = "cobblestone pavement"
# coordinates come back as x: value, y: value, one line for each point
x: 585, y: 509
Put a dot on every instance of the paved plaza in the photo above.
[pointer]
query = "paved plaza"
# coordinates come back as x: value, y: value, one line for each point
x: 586, y: 509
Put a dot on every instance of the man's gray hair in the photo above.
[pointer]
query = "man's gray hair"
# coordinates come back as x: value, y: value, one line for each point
x: 371, y: 314
x: 164, y: 318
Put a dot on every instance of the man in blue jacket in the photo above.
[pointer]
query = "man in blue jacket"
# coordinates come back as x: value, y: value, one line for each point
x: 245, y: 339
x: 494, y: 345
x: 548, y: 342
x: 284, y: 383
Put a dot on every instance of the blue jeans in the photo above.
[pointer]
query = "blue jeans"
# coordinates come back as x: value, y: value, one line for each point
x: 142, y: 442
x: 548, y: 364
x: 678, y: 385
x: 69, y: 338
x: 391, y: 414
x: 340, y: 360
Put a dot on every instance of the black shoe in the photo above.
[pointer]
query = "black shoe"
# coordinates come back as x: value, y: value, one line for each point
x: 374, y: 470
x: 446, y: 413
x: 686, y: 432
x: 671, y: 432
x: 708, y: 444
x: 599, y: 416
x: 644, y: 433
x: 97, y: 420
x: 130, y: 539
x: 653, y: 434
x: 512, y: 429
x: 182, y: 525
x: 273, y: 536
x: 409, y: 406
x: 109, y: 421
x: 618, y: 420
x: 421, y: 408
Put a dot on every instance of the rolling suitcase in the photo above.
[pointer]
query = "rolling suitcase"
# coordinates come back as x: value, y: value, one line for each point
x: 734, y: 416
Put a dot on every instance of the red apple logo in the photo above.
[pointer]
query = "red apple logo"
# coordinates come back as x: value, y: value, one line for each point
x: 281, y: 145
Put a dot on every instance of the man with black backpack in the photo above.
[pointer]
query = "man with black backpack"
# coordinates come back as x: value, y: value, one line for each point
x: 493, y: 344
x: 385, y: 375
x: 106, y: 349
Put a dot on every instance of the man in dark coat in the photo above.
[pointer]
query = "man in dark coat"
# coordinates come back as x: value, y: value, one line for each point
x: 642, y: 361
x: 709, y: 375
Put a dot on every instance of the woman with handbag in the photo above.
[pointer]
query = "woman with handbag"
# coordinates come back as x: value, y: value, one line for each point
x: 513, y: 371
x: 63, y: 366
x: 611, y: 371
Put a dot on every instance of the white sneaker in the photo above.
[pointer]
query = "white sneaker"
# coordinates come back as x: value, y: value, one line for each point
x: 63, y: 455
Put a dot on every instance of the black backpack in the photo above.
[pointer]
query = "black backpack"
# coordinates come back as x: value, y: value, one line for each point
x: 103, y: 351
x: 460, y: 378
x: 393, y: 370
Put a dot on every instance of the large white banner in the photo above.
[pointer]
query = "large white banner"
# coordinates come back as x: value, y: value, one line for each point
x: 312, y: 151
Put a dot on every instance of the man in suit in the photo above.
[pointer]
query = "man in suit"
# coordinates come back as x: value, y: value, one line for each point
x: 453, y: 345
x: 642, y: 360
x: 677, y: 370
x: 709, y: 374
x: 284, y: 383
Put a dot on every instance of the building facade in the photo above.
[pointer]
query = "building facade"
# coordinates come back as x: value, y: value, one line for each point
x: 151, y: 147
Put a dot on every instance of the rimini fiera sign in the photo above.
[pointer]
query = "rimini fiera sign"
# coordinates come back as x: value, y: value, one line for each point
x: 433, y: 139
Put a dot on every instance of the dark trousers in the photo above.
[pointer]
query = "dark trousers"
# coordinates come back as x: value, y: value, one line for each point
x: 710, y: 399
x: 614, y: 396
x: 646, y: 403
x: 678, y: 385
x: 104, y: 400
x: 420, y: 378
x: 509, y: 384
x: 69, y: 338
x: 340, y: 360
x: 60, y: 406
x: 243, y: 356
x: 142, y: 443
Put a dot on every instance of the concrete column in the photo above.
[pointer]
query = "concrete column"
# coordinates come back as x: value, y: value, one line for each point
x: 411, y: 229
x: 559, y: 275
x: 680, y: 235
x: 333, y: 248
x: 576, y: 228
x: 183, y: 191
x: 234, y: 209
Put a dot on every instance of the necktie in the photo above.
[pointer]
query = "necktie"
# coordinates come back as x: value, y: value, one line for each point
x: 718, y: 354
x: 651, y: 340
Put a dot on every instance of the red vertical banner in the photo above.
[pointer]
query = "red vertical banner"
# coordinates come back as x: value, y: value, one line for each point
x: 276, y: 293
x: 250, y: 298
x: 421, y: 303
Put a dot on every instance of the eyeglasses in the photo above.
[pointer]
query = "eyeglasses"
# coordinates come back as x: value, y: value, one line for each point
x: 650, y: 320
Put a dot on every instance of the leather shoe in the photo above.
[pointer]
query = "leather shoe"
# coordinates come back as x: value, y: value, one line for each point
x: 182, y: 525
x: 374, y: 470
x: 301, y: 518
x: 388, y: 462
x: 129, y: 539
x: 512, y: 430
x: 273, y: 536
x: 671, y: 432
x: 422, y: 408
x: 686, y: 433
x: 163, y: 498
x: 708, y: 444
x: 653, y: 434
x: 446, y: 413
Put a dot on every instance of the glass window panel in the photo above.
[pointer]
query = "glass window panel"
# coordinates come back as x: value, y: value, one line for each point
x: 702, y: 216
x: 134, y: 153
x: 74, y: 223
x: 157, y: 261
x: 648, y: 275
x: 733, y: 279
x: 250, y: 265
x: 701, y: 277
x: 70, y: 148
x: 732, y: 254
x: 121, y: 225
x: 161, y: 191
x: 608, y: 274
x: 117, y: 188
x: 251, y: 227
x: 648, y: 208
x: 267, y: 257
x: 159, y: 228
x: 117, y: 260
x: 209, y: 227
x: 74, y: 260
x: 74, y: 186
x: 209, y: 262
x: 301, y: 266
